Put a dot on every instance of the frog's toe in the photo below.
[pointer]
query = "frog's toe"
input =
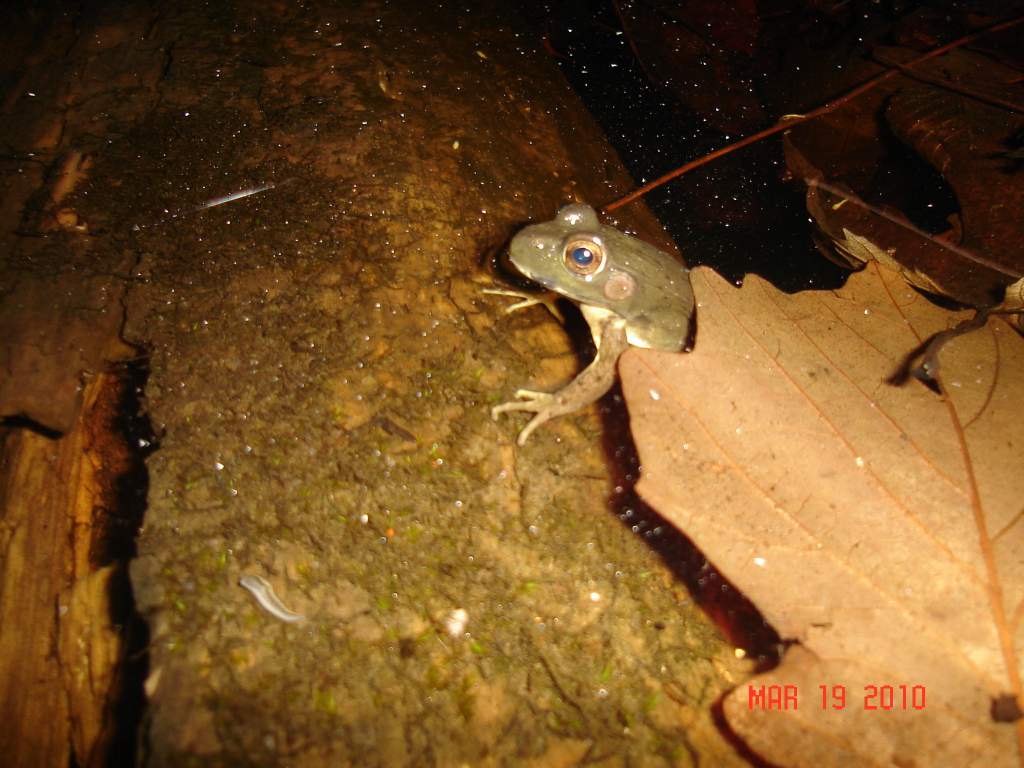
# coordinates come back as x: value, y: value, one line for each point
x: 525, y: 299
x: 532, y: 396
x: 503, y: 408
x: 528, y: 300
x: 535, y: 422
x: 529, y: 400
x: 542, y: 404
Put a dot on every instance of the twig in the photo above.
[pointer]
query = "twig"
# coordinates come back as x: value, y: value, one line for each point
x: 948, y: 85
x: 790, y: 120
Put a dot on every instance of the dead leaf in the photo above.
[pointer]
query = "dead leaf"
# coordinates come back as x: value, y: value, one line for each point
x: 880, y: 526
x: 859, y: 186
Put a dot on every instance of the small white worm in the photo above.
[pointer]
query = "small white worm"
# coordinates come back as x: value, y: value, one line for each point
x: 233, y: 196
x: 213, y: 203
x: 268, y: 599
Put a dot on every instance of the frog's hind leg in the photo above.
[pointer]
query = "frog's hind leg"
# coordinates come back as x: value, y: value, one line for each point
x: 593, y: 382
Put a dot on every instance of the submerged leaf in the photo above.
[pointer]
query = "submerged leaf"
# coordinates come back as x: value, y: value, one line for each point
x: 879, y: 526
x: 951, y: 150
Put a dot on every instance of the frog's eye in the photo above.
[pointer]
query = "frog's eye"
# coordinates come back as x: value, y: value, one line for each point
x: 584, y: 256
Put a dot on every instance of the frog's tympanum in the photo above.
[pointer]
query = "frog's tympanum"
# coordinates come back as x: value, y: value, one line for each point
x: 628, y: 291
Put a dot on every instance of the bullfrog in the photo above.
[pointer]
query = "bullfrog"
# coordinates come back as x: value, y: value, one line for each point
x: 629, y: 292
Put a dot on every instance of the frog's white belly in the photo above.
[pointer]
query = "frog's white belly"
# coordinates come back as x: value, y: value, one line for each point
x: 595, y: 317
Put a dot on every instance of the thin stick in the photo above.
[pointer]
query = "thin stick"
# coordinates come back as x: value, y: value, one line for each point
x: 947, y: 85
x: 790, y: 120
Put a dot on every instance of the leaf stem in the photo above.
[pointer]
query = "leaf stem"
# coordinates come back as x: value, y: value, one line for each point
x: 789, y: 121
x: 992, y: 586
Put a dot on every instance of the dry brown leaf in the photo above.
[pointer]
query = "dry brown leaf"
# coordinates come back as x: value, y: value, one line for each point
x: 880, y: 526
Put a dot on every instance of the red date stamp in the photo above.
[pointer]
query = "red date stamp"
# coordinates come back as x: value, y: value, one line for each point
x: 881, y: 698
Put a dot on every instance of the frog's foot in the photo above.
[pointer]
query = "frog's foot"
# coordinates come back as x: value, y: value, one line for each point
x: 544, y: 404
x: 534, y: 401
x: 596, y: 379
x: 529, y: 300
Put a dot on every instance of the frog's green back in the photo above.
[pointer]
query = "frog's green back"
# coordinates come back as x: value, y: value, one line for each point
x: 597, y: 265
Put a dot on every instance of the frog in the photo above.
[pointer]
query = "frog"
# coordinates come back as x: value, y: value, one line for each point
x: 629, y: 292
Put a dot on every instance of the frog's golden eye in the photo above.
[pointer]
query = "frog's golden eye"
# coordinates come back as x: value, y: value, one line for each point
x: 584, y: 256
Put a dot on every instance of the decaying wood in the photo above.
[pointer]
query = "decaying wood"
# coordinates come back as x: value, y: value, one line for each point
x: 58, y: 649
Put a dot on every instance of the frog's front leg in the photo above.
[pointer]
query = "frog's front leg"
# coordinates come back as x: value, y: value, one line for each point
x: 546, y: 300
x: 592, y: 382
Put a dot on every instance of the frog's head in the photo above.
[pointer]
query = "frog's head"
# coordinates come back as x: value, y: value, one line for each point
x: 599, y: 266
x: 564, y: 255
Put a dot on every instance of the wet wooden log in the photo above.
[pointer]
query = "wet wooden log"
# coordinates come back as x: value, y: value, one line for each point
x: 59, y: 650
